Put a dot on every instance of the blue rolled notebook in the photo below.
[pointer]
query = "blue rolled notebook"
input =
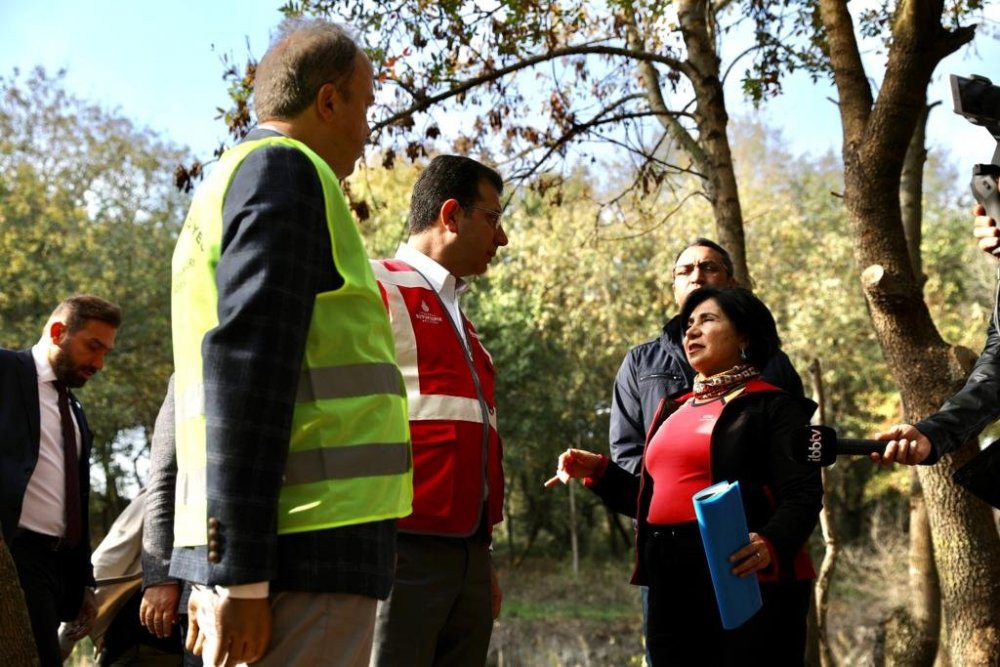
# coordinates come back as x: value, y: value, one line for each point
x: 723, y: 525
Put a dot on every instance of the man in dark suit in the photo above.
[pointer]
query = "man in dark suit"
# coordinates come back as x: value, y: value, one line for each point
x: 44, y: 466
x: 293, y: 456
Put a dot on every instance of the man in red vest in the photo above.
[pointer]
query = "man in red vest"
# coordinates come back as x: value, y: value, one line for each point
x: 445, y: 596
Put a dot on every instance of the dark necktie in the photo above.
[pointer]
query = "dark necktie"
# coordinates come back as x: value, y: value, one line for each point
x: 71, y: 466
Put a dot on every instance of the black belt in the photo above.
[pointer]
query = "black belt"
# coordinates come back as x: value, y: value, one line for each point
x: 40, y: 541
x: 675, y: 530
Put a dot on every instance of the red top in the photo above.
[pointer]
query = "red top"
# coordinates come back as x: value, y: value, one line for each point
x: 679, y: 460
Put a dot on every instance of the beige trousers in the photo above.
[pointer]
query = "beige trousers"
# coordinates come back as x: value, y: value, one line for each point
x: 334, y: 629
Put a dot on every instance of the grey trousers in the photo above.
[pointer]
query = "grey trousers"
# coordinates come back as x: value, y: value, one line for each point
x: 332, y: 629
x: 439, y: 613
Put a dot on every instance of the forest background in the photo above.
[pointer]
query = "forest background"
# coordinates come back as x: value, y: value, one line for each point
x: 89, y: 202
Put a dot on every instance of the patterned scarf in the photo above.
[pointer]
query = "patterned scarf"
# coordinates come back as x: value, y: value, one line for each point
x: 707, y: 388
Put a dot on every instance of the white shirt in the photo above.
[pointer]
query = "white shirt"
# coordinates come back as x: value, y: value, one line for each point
x: 43, y: 509
x: 448, y: 287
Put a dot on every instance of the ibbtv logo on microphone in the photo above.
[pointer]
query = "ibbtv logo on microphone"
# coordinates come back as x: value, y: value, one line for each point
x: 815, y: 445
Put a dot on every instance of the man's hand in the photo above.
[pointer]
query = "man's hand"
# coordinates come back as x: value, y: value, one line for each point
x: 241, y: 629
x: 985, y: 230
x: 84, y: 621
x: 496, y: 595
x: 906, y: 445
x: 158, y: 610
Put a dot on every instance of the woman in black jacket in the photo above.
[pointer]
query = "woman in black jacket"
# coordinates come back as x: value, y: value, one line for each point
x: 732, y: 427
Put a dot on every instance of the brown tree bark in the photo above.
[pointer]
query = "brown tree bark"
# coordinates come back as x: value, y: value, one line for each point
x: 911, y: 192
x: 876, y: 134
x: 694, y: 17
x: 824, y: 577
x: 710, y: 152
x: 17, y: 644
x: 911, y: 633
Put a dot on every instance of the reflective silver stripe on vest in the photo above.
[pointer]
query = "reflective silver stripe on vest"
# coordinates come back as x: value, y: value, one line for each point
x: 189, y: 404
x: 404, y: 278
x: 424, y: 407
x: 348, y: 381
x: 191, y: 484
x: 325, y: 463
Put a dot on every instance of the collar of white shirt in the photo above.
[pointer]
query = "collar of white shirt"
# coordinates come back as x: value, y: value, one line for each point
x: 42, y: 366
x: 440, y: 279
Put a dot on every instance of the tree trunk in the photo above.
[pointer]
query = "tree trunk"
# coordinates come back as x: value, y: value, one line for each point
x: 832, y: 546
x: 927, y: 370
x: 654, y: 95
x: 509, y: 525
x: 911, y: 190
x: 711, y: 118
x: 911, y: 634
x: 574, y: 540
x: 17, y: 644
x: 967, y: 554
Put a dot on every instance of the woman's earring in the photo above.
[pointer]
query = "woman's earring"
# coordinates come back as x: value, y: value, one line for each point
x: 743, y: 353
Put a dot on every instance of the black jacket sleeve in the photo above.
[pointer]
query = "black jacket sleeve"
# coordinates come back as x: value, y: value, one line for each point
x: 973, y: 408
x: 618, y: 489
x: 798, y: 487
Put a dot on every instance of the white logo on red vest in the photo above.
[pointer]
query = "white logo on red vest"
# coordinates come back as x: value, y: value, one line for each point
x: 425, y: 314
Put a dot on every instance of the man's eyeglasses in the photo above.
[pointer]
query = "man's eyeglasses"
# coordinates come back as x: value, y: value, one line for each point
x: 493, y: 218
x: 707, y: 267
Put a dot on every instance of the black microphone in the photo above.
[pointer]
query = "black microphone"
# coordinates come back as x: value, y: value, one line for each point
x: 819, y: 445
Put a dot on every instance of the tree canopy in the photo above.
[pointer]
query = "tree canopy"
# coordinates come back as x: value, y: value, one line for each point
x: 87, y: 205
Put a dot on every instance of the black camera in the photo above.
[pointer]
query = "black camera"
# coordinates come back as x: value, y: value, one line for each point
x: 978, y: 100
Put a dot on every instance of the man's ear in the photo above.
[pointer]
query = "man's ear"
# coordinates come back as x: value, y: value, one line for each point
x: 57, y: 331
x: 327, y: 101
x: 448, y: 215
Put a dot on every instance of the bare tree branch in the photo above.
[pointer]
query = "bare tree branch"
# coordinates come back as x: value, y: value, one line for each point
x: 425, y: 102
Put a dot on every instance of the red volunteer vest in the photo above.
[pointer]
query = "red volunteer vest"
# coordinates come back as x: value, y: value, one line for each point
x: 456, y: 447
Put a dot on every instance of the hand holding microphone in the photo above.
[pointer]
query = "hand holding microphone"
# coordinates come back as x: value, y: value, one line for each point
x: 906, y: 445
x: 819, y: 445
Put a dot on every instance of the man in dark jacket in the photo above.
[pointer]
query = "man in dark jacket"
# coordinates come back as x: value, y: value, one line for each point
x: 968, y: 412
x: 658, y: 368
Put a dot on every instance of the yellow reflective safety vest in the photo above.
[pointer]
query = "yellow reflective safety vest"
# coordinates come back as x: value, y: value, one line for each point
x: 349, y: 458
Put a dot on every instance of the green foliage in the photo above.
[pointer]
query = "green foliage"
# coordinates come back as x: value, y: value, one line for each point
x: 87, y: 204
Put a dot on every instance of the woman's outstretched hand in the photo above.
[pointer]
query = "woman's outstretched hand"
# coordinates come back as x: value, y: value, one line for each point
x: 574, y: 463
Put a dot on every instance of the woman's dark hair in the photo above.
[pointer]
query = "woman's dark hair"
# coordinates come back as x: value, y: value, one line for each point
x: 749, y: 315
